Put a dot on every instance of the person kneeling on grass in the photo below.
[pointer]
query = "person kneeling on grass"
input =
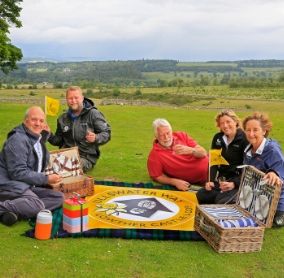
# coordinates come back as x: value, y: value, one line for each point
x: 82, y: 125
x: 176, y: 159
x: 23, y: 191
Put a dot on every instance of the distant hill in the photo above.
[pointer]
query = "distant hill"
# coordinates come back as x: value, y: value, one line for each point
x: 136, y: 72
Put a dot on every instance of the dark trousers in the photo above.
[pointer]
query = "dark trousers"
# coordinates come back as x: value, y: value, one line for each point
x: 86, y: 164
x: 215, y: 196
x: 30, y: 202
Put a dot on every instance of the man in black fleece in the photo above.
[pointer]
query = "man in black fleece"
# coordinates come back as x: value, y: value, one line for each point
x: 83, y: 125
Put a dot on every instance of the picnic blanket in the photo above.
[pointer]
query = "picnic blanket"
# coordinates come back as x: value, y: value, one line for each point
x: 127, y: 233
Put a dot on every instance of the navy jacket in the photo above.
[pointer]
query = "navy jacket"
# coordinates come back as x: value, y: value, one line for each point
x: 19, y: 161
x: 271, y: 159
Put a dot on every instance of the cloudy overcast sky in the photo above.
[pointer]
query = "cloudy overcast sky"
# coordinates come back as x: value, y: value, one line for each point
x: 187, y: 30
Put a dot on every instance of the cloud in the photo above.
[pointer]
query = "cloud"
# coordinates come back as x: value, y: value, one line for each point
x: 161, y: 27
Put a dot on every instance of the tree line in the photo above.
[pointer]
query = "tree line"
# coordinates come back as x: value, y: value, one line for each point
x: 252, y: 73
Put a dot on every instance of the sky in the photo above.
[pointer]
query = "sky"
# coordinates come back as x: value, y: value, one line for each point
x: 185, y: 30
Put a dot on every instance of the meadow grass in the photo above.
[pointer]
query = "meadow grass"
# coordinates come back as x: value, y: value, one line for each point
x: 124, y: 159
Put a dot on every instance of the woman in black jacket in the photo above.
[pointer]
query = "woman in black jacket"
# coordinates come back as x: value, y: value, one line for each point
x: 225, y: 179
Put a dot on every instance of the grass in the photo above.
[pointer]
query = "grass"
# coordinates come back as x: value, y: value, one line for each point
x: 124, y: 158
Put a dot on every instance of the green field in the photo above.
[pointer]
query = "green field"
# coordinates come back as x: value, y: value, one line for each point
x: 124, y: 159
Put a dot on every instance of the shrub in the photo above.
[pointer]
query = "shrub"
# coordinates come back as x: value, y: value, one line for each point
x: 115, y: 92
x: 89, y: 93
x: 138, y: 93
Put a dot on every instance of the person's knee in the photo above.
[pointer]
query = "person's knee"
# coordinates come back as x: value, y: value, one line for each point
x: 87, y: 167
x: 31, y: 208
x: 201, y: 195
x: 86, y: 164
x: 60, y: 198
x: 206, y: 197
x: 56, y: 200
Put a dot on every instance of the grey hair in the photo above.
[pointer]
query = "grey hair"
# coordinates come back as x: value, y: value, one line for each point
x: 27, y: 113
x: 160, y: 122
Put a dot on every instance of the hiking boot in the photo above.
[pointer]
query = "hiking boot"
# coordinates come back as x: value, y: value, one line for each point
x: 9, y: 218
x: 279, y: 219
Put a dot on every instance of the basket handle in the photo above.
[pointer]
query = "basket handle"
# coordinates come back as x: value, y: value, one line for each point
x: 205, y: 227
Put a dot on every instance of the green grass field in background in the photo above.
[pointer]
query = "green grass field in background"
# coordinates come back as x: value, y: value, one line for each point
x: 124, y: 159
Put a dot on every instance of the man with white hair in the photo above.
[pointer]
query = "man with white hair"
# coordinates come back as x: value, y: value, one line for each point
x: 176, y: 159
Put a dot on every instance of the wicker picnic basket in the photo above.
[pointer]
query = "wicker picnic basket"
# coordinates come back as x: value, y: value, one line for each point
x: 256, y: 200
x: 66, y: 162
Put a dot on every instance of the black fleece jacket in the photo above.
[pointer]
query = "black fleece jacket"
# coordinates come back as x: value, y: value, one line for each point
x: 233, y: 153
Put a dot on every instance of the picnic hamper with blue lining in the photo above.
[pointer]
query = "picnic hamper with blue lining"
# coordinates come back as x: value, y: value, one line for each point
x: 240, y: 227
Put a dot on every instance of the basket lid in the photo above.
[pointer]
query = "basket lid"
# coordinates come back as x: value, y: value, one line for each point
x: 256, y: 196
x: 65, y: 162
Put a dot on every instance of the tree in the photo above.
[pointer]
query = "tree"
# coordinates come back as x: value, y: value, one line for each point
x: 281, y: 76
x: 9, y: 16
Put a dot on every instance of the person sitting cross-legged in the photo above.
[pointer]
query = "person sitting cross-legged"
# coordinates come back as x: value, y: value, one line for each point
x: 23, y: 183
x: 225, y: 179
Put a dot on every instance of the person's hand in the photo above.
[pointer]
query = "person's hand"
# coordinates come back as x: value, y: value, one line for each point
x: 226, y: 185
x: 46, y: 128
x: 54, y: 180
x: 182, y: 149
x: 181, y: 184
x: 209, y: 185
x: 272, y: 179
x: 90, y: 136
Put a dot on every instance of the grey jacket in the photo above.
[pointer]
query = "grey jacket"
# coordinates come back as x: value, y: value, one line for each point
x: 19, y: 161
x: 71, y: 131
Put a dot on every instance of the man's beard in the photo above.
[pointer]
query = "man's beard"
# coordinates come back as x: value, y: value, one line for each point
x: 77, y: 108
x: 167, y: 144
